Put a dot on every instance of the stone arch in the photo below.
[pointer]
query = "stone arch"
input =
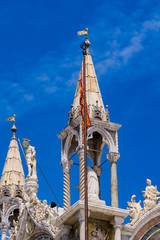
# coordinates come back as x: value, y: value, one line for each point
x: 106, y: 135
x: 34, y: 236
x: 42, y: 230
x: 11, y: 209
x: 68, y: 142
x: 145, y: 226
x: 154, y: 232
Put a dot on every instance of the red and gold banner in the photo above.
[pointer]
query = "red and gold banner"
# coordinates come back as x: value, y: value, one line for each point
x: 88, y: 123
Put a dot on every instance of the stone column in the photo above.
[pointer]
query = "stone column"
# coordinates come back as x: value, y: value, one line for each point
x: 113, y: 157
x: 31, y: 184
x: 66, y: 183
x: 4, y: 227
x: 117, y: 227
x: 66, y: 230
x: 98, y: 171
x: 81, y: 173
x: 81, y: 217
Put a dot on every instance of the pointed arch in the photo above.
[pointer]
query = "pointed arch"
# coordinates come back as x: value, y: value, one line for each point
x: 107, y: 138
x: 11, y: 209
x: 68, y: 142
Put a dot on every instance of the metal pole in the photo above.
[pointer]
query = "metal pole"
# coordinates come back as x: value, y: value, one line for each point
x: 85, y: 149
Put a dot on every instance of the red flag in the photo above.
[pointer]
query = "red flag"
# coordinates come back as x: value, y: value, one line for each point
x: 88, y: 123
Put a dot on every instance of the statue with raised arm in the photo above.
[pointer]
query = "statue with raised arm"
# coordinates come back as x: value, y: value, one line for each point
x: 30, y: 159
x: 93, y: 185
x: 150, y: 195
x: 135, y: 210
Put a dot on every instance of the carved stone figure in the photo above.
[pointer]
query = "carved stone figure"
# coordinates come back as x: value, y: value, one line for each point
x: 31, y: 161
x: 150, y: 195
x: 41, y: 212
x: 93, y: 185
x: 30, y: 226
x: 15, y: 224
x: 21, y: 208
x: 135, y: 210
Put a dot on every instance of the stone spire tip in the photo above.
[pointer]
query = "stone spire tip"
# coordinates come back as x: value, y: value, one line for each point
x: 14, y: 129
x: 85, y: 46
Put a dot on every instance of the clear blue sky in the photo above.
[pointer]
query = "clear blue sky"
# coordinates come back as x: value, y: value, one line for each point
x: 40, y: 61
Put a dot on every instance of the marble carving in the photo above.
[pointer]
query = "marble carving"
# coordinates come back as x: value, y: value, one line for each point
x: 135, y: 210
x: 31, y: 160
x: 93, y: 185
x: 150, y: 194
x: 40, y: 212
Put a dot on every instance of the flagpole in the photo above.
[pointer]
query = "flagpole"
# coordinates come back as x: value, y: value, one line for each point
x: 85, y: 151
x: 85, y: 46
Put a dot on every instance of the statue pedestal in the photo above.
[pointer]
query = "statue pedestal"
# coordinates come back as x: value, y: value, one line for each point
x: 31, y: 184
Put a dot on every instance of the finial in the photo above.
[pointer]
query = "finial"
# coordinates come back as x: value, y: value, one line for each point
x: 9, y: 119
x: 85, y: 45
x: 14, y: 129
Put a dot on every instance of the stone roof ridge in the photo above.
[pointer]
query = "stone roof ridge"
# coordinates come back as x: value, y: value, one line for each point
x: 13, y: 174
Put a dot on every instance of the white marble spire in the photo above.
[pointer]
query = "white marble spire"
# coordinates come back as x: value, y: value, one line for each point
x: 93, y: 94
x: 13, y: 173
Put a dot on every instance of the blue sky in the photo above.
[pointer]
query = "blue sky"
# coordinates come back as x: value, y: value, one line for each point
x: 40, y: 61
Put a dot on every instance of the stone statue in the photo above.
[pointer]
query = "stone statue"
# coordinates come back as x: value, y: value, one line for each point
x: 41, y: 212
x: 93, y: 185
x: 30, y: 226
x: 135, y: 210
x: 150, y: 195
x: 30, y: 159
x: 13, y: 231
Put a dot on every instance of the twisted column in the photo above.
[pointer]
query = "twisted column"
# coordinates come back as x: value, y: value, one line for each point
x: 81, y: 173
x: 113, y: 157
x: 66, y: 183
